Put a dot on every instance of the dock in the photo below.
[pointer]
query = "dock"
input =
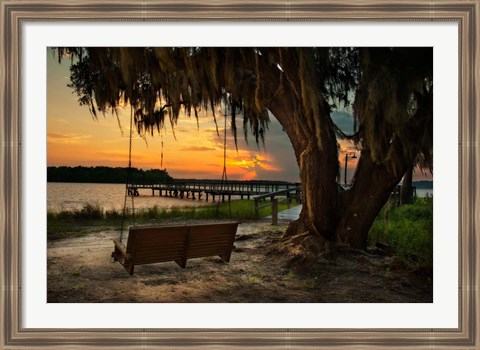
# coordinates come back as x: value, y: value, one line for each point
x: 290, y: 214
x: 210, y: 189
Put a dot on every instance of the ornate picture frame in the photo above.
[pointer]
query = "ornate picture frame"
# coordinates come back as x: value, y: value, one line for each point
x: 14, y: 14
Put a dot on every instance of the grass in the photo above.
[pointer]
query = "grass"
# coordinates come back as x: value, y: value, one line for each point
x: 407, y: 228
x: 59, y: 228
x: 74, y: 223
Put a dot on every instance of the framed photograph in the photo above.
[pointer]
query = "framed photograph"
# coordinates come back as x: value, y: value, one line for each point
x: 383, y: 50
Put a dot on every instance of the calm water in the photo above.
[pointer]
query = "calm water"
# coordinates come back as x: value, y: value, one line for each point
x: 423, y: 192
x: 68, y: 196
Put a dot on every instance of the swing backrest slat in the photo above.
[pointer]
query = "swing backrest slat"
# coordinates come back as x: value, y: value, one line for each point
x: 154, y: 244
x: 210, y: 240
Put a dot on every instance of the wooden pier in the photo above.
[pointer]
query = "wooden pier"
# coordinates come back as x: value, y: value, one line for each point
x: 210, y: 189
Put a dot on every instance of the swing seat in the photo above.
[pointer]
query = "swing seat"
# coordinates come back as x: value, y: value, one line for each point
x: 155, y: 244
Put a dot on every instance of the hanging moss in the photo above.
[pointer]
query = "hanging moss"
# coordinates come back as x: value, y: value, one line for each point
x: 162, y: 83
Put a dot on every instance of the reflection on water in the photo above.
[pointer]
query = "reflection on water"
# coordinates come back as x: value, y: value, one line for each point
x: 424, y: 192
x: 68, y: 196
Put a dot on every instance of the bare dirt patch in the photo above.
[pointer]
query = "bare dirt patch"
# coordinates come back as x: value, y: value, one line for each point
x: 80, y: 270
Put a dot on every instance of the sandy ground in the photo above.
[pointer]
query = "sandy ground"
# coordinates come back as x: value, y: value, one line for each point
x: 81, y: 270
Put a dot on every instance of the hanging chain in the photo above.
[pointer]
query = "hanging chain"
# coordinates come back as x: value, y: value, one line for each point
x: 129, y: 179
x: 225, y: 152
x: 224, y: 180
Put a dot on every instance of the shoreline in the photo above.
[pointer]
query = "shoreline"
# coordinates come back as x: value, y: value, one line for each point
x: 74, y: 196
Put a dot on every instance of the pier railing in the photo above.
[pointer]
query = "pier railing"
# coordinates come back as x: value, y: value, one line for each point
x: 289, y: 194
x: 195, y: 189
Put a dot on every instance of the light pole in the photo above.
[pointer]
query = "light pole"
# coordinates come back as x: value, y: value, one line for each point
x: 353, y: 156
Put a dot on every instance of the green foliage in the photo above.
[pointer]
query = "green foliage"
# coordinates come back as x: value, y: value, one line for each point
x: 407, y: 228
x: 59, y: 227
x: 113, y: 215
x: 89, y: 212
x: 394, y: 101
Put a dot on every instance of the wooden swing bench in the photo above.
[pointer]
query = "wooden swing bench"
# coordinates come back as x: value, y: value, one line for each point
x: 155, y: 244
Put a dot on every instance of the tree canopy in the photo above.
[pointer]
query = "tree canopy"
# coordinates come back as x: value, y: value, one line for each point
x: 161, y: 82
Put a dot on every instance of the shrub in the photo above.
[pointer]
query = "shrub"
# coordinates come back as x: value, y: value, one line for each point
x: 408, y: 228
x: 89, y: 212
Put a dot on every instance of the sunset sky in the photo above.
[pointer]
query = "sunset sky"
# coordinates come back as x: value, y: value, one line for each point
x: 74, y: 138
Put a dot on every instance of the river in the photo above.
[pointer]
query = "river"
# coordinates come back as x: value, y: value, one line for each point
x: 69, y: 196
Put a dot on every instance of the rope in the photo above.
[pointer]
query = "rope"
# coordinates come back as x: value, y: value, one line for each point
x: 129, y: 179
x: 224, y: 174
x: 224, y: 180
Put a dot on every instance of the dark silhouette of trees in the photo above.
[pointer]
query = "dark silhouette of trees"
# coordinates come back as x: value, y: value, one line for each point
x: 392, y: 103
x: 103, y: 174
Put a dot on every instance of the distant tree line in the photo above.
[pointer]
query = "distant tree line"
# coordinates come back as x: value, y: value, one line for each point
x: 103, y: 174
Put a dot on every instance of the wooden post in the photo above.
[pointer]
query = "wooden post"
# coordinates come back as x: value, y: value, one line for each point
x: 274, y: 211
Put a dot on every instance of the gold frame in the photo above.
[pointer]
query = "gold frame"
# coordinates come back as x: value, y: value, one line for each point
x: 15, y: 12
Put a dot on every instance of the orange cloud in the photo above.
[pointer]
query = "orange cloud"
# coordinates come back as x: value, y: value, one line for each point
x: 252, y: 175
x: 268, y: 167
x: 249, y: 160
x: 66, y: 138
x: 198, y: 149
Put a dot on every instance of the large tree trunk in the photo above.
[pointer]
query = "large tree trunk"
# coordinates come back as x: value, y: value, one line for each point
x: 319, y: 191
x: 406, y: 191
x: 373, y: 184
x: 317, y: 159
